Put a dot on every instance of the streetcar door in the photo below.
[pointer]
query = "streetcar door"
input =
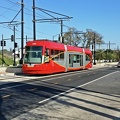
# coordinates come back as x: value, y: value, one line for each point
x: 81, y: 60
x: 75, y: 60
x: 70, y: 60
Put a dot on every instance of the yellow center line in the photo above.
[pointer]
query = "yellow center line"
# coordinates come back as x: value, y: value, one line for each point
x: 5, y: 96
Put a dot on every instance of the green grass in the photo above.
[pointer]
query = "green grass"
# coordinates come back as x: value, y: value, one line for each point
x: 7, y: 61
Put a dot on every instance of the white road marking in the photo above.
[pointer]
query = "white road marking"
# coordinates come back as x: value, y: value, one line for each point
x: 76, y: 87
x: 6, y: 96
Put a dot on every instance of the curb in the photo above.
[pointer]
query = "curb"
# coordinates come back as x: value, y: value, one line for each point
x: 7, y: 74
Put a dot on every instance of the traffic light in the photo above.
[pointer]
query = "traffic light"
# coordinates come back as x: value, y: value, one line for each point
x: 61, y: 39
x: 12, y: 38
x: 4, y: 43
x: 13, y: 50
x: 16, y: 45
x: 1, y: 43
x: 92, y: 46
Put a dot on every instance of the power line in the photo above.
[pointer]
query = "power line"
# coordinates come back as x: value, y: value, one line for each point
x: 37, y: 15
x: 12, y: 2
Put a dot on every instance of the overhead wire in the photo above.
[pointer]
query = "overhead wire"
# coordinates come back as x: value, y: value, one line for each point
x: 37, y: 15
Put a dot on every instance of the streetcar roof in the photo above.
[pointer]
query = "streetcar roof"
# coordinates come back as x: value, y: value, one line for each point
x: 57, y: 45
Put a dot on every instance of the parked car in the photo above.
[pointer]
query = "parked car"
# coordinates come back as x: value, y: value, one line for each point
x: 118, y: 65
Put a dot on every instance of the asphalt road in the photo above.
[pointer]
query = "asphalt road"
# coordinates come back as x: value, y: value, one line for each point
x: 60, y: 96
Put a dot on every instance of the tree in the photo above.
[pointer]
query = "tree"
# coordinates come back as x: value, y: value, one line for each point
x: 72, y: 37
x: 88, y: 38
x: 100, y: 55
x: 84, y: 39
x: 118, y: 53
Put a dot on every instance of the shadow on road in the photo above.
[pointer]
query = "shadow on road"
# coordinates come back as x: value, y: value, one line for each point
x: 25, y: 97
x: 1, y: 115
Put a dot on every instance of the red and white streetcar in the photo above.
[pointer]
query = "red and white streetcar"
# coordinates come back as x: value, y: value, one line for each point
x: 47, y: 57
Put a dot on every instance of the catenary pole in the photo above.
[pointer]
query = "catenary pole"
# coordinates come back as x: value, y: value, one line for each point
x: 62, y: 31
x: 34, y: 25
x: 22, y: 30
x: 94, y: 55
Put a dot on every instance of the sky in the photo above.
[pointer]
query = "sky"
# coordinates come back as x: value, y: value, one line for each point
x: 102, y: 16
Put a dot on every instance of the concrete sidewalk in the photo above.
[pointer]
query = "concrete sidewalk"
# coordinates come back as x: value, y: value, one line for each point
x: 98, y: 65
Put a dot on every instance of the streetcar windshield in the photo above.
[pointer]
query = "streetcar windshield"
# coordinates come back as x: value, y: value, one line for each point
x: 33, y: 54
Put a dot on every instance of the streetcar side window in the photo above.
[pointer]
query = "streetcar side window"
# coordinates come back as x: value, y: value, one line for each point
x: 78, y: 58
x: 61, y: 54
x: 87, y: 58
x: 56, y: 54
x: 75, y: 58
x: 52, y: 54
x: 47, y: 53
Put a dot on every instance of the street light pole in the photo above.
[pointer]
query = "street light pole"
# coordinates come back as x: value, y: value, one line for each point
x: 55, y: 36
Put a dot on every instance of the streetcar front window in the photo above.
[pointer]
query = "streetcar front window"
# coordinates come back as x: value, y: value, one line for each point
x: 33, y: 54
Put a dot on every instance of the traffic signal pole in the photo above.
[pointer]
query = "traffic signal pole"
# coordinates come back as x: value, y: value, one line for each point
x: 2, y: 50
x: 14, y: 64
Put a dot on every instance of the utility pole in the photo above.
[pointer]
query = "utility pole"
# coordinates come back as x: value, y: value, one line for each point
x: 61, y: 37
x: 22, y: 31
x: 61, y: 28
x: 109, y: 44
x: 26, y: 38
x: 109, y: 50
x: 108, y: 47
x: 94, y: 55
x: 53, y: 19
x: 34, y: 25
